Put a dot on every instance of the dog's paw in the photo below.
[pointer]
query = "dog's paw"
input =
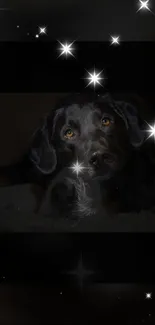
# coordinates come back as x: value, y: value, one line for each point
x: 63, y: 197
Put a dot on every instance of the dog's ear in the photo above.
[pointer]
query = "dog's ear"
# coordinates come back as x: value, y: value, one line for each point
x: 133, y: 122
x: 42, y: 153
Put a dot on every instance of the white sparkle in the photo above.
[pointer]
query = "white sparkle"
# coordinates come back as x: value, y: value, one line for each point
x: 42, y: 30
x: 144, y: 5
x: 37, y: 35
x: 148, y: 295
x: 17, y: 26
x: 66, y: 49
x: 115, y: 40
x: 151, y: 130
x: 61, y: 293
x: 94, y: 78
x: 77, y: 168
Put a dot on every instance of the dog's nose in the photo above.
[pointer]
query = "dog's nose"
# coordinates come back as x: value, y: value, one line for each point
x: 95, y: 158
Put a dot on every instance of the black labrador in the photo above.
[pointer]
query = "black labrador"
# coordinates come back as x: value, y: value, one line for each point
x: 97, y: 145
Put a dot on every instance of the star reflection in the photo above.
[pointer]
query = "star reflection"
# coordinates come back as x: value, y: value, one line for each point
x: 80, y: 272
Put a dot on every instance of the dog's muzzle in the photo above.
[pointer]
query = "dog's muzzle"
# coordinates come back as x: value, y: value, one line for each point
x: 98, y: 158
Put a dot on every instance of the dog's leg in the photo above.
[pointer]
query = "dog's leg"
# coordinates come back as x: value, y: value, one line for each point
x: 39, y: 194
x: 62, y: 197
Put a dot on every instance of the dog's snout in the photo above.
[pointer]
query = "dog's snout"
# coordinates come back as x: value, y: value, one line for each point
x: 98, y: 158
x: 95, y: 158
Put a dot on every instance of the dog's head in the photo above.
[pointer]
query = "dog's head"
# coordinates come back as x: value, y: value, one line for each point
x: 96, y: 131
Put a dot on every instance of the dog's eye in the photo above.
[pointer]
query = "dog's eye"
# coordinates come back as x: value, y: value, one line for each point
x: 106, y: 121
x: 69, y: 133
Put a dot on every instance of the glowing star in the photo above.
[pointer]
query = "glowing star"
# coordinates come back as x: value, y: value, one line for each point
x: 151, y: 131
x: 66, y: 49
x: 37, y: 36
x: 94, y: 78
x: 77, y: 168
x: 115, y: 40
x: 148, y: 295
x: 144, y: 5
x: 42, y: 30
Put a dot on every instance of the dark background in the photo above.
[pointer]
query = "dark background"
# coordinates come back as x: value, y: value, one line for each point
x: 35, y: 67
x: 41, y: 283
x: 30, y: 263
x: 86, y: 20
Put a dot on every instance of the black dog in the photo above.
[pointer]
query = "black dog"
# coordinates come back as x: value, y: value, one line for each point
x: 106, y: 137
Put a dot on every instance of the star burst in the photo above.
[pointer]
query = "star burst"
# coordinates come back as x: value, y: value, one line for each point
x: 94, y: 78
x: 115, y: 40
x: 66, y: 49
x: 80, y: 272
x: 144, y: 5
x: 77, y: 168
x: 148, y: 295
x: 151, y: 130
x: 42, y: 30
